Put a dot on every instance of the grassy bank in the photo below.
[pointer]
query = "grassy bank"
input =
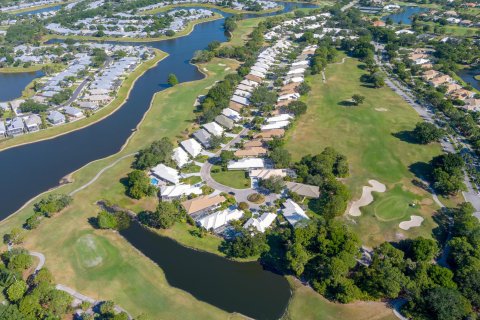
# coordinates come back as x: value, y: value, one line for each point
x: 188, y: 29
x: 32, y: 68
x: 120, y: 99
x: 39, y: 7
x: 372, y: 136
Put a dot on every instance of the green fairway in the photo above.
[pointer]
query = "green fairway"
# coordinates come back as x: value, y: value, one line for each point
x: 236, y: 179
x: 368, y: 136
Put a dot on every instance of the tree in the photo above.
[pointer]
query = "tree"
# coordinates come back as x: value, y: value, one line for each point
x: 263, y: 98
x: 280, y: 157
x: 448, y: 173
x: 424, y: 249
x: 444, y: 304
x: 296, y: 107
x: 172, y: 79
x: 358, y: 99
x: 16, y: 291
x: 226, y: 156
x: 159, y: 151
x: 247, y: 243
x: 165, y: 216
x: 106, y: 220
x: 273, y: 184
x: 139, y: 185
x: 426, y: 132
x: 15, y: 236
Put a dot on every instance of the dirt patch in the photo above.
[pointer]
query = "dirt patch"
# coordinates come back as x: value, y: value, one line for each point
x: 381, y: 109
x: 415, y: 221
x: 366, y: 197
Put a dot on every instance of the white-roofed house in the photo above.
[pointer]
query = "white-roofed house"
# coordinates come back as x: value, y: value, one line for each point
x: 56, y: 117
x: 214, y: 128
x: 16, y: 127
x: 232, y: 114
x: 73, y: 112
x: 281, y: 117
x: 3, y: 130
x: 246, y: 164
x: 180, y: 157
x: 192, y: 147
x: 179, y: 190
x: 219, y: 218
x: 275, y: 125
x: 261, y: 223
x: 33, y: 122
x: 293, y: 212
x: 165, y: 173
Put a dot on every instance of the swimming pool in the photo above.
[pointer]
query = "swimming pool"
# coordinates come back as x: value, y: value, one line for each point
x: 154, y: 181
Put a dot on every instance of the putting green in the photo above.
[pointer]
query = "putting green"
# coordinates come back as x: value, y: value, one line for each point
x: 394, y: 204
x: 92, y: 251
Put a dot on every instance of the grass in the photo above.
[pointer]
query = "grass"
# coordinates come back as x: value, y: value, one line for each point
x: 121, y: 97
x: 192, y: 180
x: 367, y: 135
x: 395, y: 204
x: 236, y: 179
x: 244, y: 28
x: 102, y: 264
x: 32, y: 68
x: 306, y: 304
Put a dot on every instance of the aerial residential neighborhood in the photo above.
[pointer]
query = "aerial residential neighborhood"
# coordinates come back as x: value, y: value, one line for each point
x: 250, y: 159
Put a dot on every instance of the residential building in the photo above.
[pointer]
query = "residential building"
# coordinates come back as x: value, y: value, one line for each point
x: 261, y: 223
x: 305, y: 190
x: 73, y: 112
x: 203, y: 137
x: 56, y: 117
x: 251, y: 152
x: 3, y: 130
x: 293, y: 213
x: 213, y: 128
x: 246, y: 164
x: 270, y: 134
x: 219, y: 218
x: 180, y: 157
x: 166, y: 174
x: 231, y: 114
x: 33, y: 122
x: 192, y: 147
x: 16, y: 127
x: 224, y: 121
x: 179, y: 190
x: 202, y: 204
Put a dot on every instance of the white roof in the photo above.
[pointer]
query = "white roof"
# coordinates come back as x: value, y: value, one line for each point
x: 275, y: 125
x: 179, y: 190
x: 192, y: 147
x: 261, y: 223
x: 257, y: 74
x: 214, y: 128
x: 166, y: 173
x: 232, y: 114
x: 180, y: 157
x: 246, y: 163
x: 241, y: 100
x: 220, y: 218
x: 293, y: 213
x: 267, y: 173
x: 249, y: 83
x: 282, y: 117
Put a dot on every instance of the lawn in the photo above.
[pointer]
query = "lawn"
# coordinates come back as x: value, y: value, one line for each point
x: 236, y: 179
x: 369, y: 136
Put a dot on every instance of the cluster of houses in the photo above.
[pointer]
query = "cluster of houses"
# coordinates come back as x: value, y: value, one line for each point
x: 451, y: 17
x: 22, y: 5
x: 214, y: 211
x: 248, y: 5
x: 424, y: 58
x: 88, y: 93
x: 129, y: 25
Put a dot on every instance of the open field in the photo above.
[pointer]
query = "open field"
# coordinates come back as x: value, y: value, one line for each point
x: 366, y: 134
x: 235, y: 179
x: 121, y: 97
x: 244, y: 27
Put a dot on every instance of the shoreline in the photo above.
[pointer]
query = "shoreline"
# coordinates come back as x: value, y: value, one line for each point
x: 160, y: 55
x: 185, y: 32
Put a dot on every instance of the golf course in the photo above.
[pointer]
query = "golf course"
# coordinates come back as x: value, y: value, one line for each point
x: 368, y: 134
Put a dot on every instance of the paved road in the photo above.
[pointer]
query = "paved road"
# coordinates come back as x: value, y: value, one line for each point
x: 41, y: 259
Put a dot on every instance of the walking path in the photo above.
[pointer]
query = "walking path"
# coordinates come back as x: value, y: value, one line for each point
x: 41, y: 259
x: 100, y: 173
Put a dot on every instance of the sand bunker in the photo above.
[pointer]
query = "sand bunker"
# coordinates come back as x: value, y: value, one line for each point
x: 222, y: 64
x: 415, y: 221
x: 381, y: 109
x: 366, y: 198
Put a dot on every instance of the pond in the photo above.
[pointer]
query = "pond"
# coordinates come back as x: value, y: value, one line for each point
x: 42, y: 10
x: 245, y: 288
x: 405, y: 14
x: 12, y: 84
x: 468, y: 75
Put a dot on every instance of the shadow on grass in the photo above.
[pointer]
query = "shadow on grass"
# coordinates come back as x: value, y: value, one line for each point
x: 347, y: 103
x: 406, y: 136
x: 421, y: 170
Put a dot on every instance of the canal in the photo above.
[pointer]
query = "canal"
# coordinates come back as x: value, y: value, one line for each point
x: 34, y: 168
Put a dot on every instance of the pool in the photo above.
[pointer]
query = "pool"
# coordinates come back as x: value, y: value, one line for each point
x: 154, y: 181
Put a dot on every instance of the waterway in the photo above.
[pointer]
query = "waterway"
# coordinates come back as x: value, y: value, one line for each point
x: 405, y: 14
x: 12, y: 84
x: 468, y: 75
x: 31, y: 169
x: 231, y: 286
x: 42, y: 10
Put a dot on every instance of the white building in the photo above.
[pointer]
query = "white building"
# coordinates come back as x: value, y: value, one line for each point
x: 180, y: 157
x: 179, y: 190
x: 219, y: 218
x: 213, y: 128
x: 192, y: 147
x: 246, y: 164
x: 261, y: 223
x: 165, y: 173
x: 293, y: 212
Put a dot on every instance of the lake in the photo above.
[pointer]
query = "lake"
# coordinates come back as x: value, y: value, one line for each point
x: 468, y: 75
x: 404, y: 15
x: 13, y: 84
